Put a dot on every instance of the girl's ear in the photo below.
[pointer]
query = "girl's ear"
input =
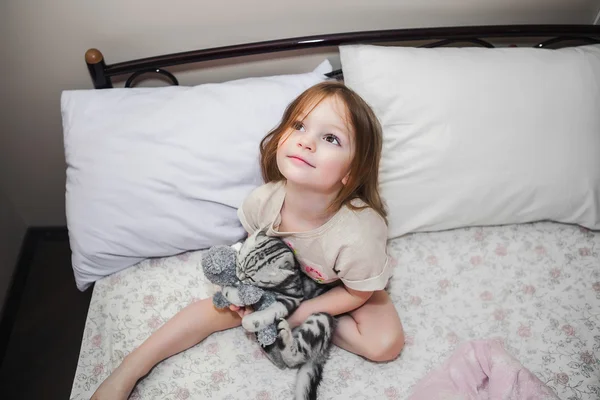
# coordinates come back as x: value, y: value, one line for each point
x: 345, y: 179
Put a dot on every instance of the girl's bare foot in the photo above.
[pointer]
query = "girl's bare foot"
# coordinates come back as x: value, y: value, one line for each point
x: 187, y: 328
x: 118, y: 385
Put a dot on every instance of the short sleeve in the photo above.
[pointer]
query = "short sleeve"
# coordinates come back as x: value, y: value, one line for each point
x: 260, y: 207
x: 249, y: 211
x: 363, y: 263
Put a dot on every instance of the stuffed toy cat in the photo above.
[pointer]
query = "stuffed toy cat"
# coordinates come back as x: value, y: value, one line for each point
x: 263, y: 274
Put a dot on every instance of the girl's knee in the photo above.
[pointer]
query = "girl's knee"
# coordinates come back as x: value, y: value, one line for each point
x: 387, y: 348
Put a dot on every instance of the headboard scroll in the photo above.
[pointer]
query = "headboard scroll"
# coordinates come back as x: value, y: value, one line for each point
x: 101, y: 73
x: 159, y: 71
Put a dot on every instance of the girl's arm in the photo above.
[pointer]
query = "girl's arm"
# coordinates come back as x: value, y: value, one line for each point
x: 338, y: 300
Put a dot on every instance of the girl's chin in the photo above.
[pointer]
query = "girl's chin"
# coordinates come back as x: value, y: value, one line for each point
x: 304, y: 177
x: 314, y: 185
x: 297, y: 179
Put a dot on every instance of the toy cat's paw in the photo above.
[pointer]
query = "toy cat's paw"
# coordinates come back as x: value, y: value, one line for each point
x: 284, y: 331
x: 261, y: 319
x: 252, y: 322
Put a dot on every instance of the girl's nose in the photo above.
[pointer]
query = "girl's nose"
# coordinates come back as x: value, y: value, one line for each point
x: 306, y: 143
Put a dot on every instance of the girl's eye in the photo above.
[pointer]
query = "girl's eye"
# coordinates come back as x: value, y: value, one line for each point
x: 299, y: 126
x: 332, y: 139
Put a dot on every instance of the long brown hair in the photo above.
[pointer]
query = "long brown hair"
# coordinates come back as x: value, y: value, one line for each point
x: 363, y: 181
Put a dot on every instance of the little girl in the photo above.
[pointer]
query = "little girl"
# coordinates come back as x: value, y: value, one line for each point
x: 321, y: 195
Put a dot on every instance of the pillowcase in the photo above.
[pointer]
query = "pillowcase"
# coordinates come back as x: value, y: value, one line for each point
x: 153, y: 172
x: 476, y: 136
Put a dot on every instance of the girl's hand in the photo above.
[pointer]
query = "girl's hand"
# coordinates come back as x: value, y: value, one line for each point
x: 242, y: 311
x: 294, y: 320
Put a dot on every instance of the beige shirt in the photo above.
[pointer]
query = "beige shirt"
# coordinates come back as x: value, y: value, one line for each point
x: 350, y: 247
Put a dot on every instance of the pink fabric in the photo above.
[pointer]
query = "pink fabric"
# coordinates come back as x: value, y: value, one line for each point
x: 481, y: 370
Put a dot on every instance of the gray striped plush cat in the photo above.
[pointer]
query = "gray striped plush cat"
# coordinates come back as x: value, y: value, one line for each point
x: 307, y: 347
x: 268, y: 263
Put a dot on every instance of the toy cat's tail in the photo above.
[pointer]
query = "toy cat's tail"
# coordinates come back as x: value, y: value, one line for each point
x: 313, y: 339
x: 308, y: 379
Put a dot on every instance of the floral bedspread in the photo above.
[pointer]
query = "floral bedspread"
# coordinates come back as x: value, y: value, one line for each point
x: 535, y: 286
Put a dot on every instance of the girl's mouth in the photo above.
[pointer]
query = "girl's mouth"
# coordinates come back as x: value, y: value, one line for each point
x: 302, y: 160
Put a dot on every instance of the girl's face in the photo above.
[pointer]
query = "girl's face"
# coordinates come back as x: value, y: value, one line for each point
x: 318, y: 150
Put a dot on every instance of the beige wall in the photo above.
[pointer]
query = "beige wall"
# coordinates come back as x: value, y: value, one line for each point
x: 12, y: 231
x: 43, y: 43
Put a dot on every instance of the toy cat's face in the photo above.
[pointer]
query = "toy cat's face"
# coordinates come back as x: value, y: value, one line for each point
x: 265, y: 261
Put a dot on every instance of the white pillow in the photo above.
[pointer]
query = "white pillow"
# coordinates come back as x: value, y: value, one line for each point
x: 153, y: 172
x: 476, y: 136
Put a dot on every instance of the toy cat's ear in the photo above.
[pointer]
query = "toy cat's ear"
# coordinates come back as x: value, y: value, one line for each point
x: 250, y: 294
x: 237, y: 246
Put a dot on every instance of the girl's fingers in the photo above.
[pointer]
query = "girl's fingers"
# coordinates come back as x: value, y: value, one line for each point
x: 242, y: 311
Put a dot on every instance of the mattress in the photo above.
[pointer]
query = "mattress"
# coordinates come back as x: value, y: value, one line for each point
x: 534, y: 286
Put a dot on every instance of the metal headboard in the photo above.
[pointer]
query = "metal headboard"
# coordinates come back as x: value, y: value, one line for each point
x: 102, y: 73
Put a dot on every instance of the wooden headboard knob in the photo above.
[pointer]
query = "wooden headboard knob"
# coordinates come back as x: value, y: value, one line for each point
x: 93, y: 56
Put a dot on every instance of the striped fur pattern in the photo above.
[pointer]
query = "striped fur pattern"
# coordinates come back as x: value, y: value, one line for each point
x: 267, y: 262
x: 305, y: 347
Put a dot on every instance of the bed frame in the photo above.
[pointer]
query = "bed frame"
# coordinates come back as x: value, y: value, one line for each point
x: 552, y: 36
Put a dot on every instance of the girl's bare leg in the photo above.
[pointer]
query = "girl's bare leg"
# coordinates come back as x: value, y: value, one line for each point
x: 373, y: 330
x: 187, y: 328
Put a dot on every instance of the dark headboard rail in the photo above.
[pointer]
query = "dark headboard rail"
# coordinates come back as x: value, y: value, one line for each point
x: 101, y: 73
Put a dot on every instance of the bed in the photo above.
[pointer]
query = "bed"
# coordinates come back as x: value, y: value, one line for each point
x: 520, y: 265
